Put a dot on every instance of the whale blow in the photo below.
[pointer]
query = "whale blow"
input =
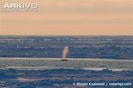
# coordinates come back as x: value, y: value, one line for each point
x: 65, y: 52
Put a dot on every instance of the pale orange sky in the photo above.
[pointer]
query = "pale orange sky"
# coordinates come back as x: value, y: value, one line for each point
x: 70, y: 17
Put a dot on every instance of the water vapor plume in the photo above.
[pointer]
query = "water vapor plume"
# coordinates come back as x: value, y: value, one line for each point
x: 65, y: 52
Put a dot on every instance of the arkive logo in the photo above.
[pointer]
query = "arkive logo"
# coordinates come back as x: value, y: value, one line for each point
x: 20, y: 6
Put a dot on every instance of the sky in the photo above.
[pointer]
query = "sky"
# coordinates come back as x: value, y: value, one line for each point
x: 69, y: 17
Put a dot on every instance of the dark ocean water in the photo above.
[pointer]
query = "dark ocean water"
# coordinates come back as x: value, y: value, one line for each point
x: 64, y: 78
x: 116, y: 47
